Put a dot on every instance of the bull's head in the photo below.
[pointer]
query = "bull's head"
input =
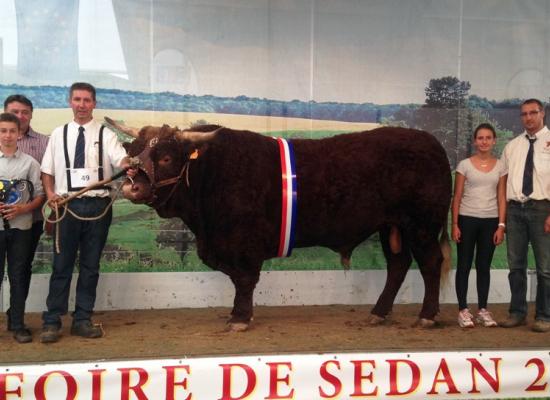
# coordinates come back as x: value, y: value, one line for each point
x: 164, y: 155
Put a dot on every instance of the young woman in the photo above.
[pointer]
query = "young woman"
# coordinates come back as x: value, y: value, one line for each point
x: 478, y: 212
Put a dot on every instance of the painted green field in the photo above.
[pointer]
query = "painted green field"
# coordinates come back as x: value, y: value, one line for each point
x: 140, y: 241
x: 134, y: 246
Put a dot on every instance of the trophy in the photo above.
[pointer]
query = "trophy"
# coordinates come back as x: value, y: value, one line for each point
x: 14, y: 191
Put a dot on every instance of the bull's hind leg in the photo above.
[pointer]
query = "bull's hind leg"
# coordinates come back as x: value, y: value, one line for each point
x: 244, y: 283
x: 397, y: 264
x: 429, y: 258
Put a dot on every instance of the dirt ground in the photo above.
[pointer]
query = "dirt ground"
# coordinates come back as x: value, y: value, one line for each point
x: 179, y: 333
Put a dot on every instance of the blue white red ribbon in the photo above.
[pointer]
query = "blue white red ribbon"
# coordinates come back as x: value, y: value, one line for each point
x: 289, y: 198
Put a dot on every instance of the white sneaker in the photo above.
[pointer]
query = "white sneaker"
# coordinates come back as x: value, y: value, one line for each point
x: 465, y: 319
x: 485, y: 318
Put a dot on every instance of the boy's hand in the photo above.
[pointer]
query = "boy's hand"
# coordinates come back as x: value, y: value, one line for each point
x: 9, y: 212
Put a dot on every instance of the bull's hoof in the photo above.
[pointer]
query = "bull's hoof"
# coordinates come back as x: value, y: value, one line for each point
x: 424, y: 323
x: 375, y: 320
x: 237, y: 326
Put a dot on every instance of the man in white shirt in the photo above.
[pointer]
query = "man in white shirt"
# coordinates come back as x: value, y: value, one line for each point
x: 78, y: 154
x: 527, y: 159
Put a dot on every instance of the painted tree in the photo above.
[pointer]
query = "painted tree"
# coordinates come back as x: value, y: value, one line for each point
x: 447, y: 92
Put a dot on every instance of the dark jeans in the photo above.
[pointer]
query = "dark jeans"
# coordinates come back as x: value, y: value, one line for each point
x: 476, y: 233
x: 36, y: 231
x: 15, y: 246
x: 89, y: 237
x: 525, y: 224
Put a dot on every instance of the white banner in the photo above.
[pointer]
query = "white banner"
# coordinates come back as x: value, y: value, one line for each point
x: 438, y: 375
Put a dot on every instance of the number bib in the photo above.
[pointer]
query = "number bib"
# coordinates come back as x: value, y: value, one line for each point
x: 82, y: 177
x: 79, y: 178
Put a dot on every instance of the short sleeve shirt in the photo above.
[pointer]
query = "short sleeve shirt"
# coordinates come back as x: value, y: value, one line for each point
x: 53, y: 162
x: 21, y: 166
x: 514, y: 156
x: 479, y: 198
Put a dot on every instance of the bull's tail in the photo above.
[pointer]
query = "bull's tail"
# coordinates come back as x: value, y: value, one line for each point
x: 445, y: 246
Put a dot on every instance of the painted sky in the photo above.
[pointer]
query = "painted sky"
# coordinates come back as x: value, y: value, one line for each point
x: 381, y: 51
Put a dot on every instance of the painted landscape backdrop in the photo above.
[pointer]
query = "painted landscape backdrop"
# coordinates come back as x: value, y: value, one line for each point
x: 306, y: 68
x: 141, y: 241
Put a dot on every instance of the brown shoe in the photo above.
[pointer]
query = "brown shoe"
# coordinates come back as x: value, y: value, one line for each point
x: 512, y: 321
x: 87, y: 330
x: 50, y: 334
x: 541, y: 326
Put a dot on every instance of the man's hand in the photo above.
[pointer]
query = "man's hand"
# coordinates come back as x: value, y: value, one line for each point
x: 130, y: 164
x: 53, y: 199
x: 547, y: 225
x: 131, y: 172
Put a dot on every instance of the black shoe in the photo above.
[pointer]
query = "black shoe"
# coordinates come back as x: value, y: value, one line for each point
x: 22, y: 335
x: 86, y: 329
x: 50, y: 334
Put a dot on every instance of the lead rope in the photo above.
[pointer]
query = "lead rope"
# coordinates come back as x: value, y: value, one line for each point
x: 66, y: 209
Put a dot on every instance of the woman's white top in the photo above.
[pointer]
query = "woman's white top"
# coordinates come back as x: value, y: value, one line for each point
x: 479, y: 198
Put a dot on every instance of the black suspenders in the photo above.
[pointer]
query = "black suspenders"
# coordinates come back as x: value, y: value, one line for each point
x: 68, y: 163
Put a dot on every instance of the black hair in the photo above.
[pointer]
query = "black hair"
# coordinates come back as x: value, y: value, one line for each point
x: 82, y: 86
x: 531, y: 101
x: 18, y: 98
x: 9, y: 117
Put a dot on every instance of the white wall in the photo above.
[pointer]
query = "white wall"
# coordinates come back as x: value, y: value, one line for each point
x: 211, y: 289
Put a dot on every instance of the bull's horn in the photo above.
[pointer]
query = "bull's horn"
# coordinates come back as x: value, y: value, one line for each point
x: 134, y: 132
x: 194, y: 136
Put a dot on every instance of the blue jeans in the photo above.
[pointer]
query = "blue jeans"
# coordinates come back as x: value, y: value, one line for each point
x: 15, y: 245
x: 525, y: 224
x: 89, y: 237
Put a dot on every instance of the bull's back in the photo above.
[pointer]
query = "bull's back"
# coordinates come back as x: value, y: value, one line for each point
x: 349, y: 185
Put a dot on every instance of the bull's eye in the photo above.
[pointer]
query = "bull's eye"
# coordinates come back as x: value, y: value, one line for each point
x: 166, y: 160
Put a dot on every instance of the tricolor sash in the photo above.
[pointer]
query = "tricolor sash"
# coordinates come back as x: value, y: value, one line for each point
x: 289, y: 198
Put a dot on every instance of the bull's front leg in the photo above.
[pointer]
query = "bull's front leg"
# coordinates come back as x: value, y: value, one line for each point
x: 242, y: 312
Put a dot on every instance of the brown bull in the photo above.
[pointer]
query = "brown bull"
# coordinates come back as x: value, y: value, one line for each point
x: 226, y: 186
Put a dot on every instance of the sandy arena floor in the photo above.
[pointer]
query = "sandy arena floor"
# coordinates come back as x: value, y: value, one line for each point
x: 319, y: 329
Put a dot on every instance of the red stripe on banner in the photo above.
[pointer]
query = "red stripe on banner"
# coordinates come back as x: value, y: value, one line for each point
x: 284, y: 196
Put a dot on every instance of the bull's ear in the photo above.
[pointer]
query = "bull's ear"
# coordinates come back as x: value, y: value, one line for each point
x: 167, y: 131
x: 126, y: 146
